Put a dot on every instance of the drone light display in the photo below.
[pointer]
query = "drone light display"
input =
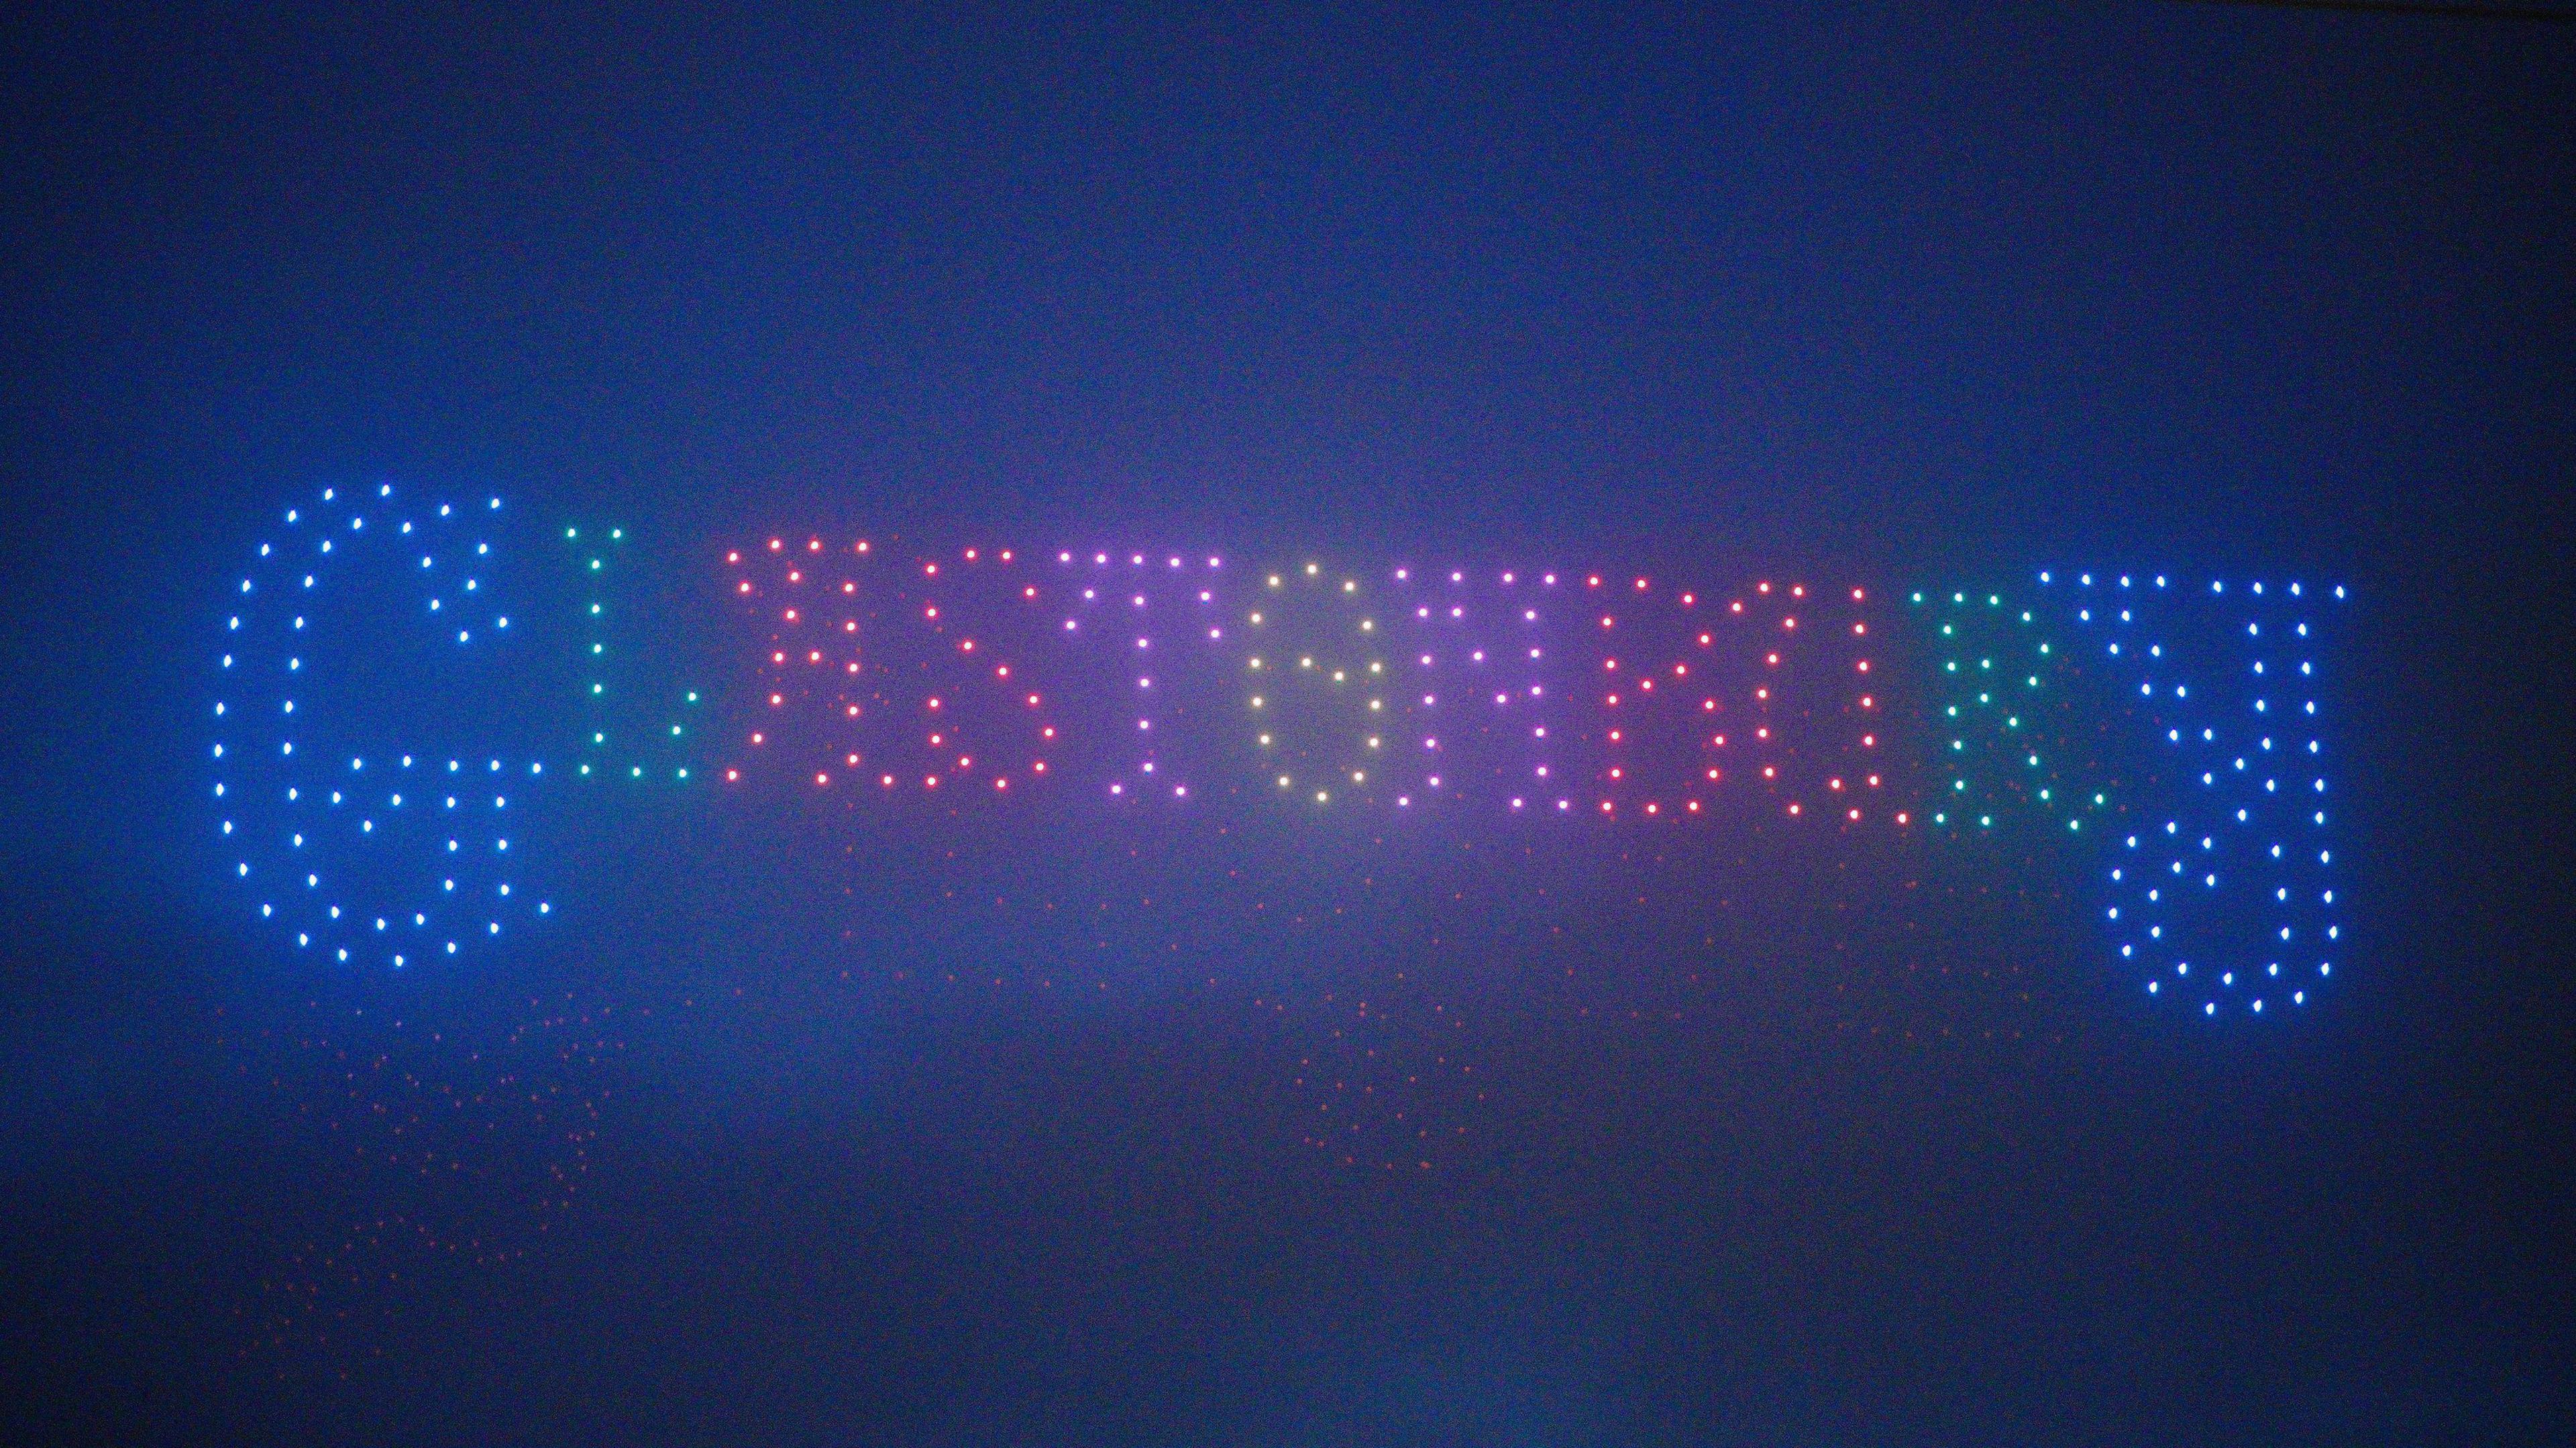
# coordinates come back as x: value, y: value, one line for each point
x: 2170, y: 728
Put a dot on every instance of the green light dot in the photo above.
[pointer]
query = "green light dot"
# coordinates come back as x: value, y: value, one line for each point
x: 585, y: 769
x: 639, y: 771
x: 693, y: 696
x: 594, y: 608
x: 675, y: 731
x: 616, y: 532
x: 572, y: 532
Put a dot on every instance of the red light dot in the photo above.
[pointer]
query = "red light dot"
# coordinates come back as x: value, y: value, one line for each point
x: 732, y: 775
x: 1902, y: 819
x: 822, y: 779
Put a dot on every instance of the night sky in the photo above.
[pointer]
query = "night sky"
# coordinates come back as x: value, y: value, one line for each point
x: 810, y: 1124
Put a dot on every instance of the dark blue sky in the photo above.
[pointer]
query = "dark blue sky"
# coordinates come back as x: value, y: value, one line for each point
x: 1738, y: 1142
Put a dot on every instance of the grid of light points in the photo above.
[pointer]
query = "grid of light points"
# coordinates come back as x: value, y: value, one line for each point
x: 2166, y: 734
